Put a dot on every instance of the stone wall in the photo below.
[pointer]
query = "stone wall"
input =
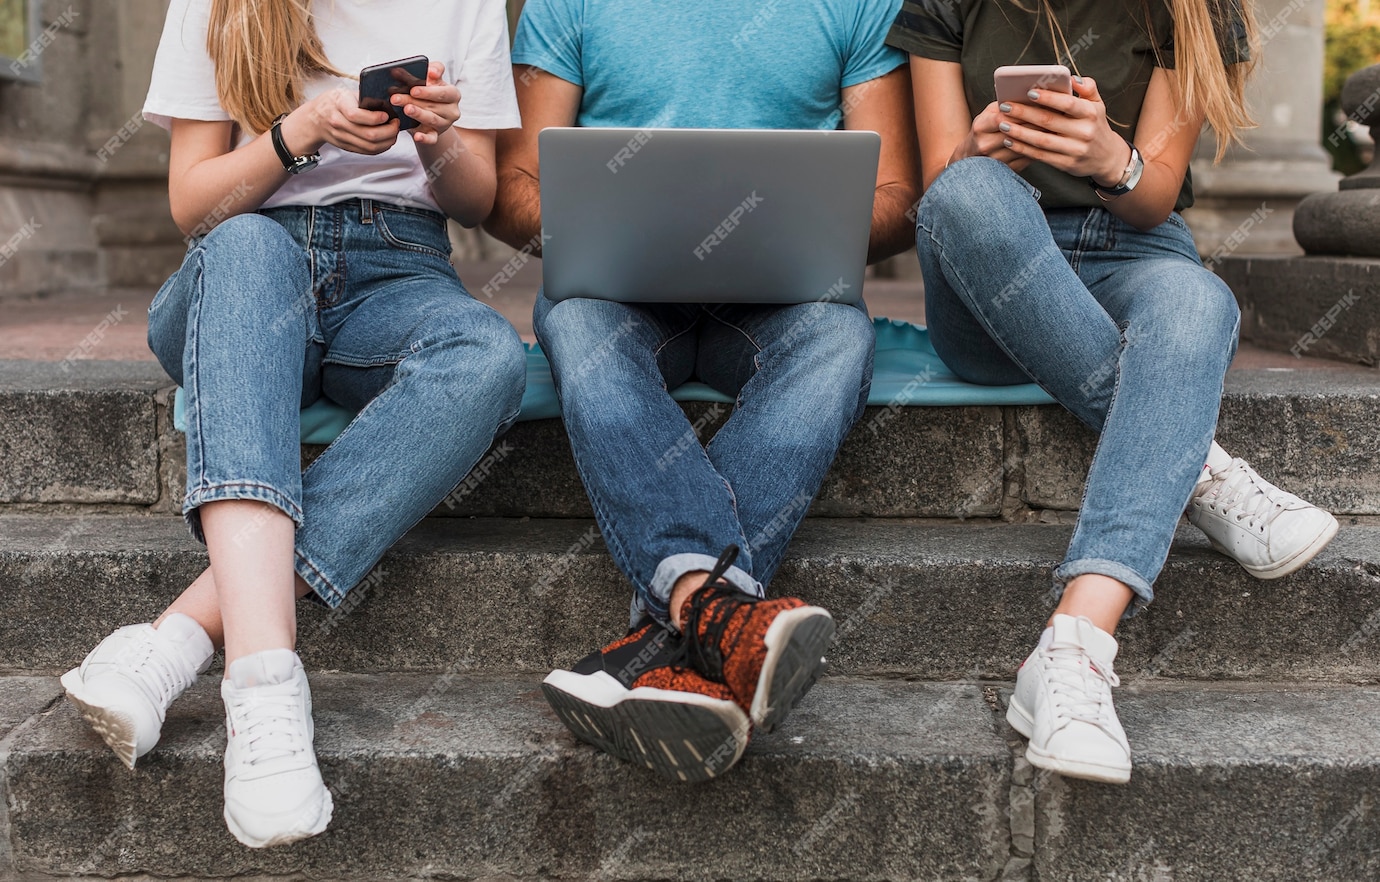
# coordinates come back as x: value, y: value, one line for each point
x: 82, y: 181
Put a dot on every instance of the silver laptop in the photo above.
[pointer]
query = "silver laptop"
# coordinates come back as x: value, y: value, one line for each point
x: 706, y: 215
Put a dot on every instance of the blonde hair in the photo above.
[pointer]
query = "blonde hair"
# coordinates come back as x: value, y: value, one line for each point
x: 1202, y: 83
x: 264, y: 51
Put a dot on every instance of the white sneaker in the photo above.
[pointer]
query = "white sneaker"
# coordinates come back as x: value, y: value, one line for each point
x: 1269, y: 532
x: 124, y: 687
x: 1063, y: 704
x: 273, y: 788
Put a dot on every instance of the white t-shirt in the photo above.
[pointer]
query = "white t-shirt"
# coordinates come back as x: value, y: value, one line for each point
x: 470, y: 37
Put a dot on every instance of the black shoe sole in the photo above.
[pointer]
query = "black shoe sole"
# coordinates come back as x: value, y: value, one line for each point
x: 680, y: 741
x: 792, y: 667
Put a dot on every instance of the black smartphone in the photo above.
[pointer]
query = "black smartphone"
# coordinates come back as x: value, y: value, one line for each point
x: 379, y: 83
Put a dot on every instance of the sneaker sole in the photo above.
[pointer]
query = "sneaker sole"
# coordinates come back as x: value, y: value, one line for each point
x: 1024, y: 723
x: 296, y: 834
x: 683, y: 737
x: 116, y: 729
x: 796, y: 642
x: 1293, y: 564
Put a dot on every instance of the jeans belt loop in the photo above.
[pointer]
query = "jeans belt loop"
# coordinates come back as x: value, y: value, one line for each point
x: 366, y: 211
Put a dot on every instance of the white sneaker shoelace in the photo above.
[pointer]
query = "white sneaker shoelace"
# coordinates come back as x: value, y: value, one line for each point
x: 157, y: 673
x: 1239, y: 493
x: 268, y: 722
x: 1080, y: 689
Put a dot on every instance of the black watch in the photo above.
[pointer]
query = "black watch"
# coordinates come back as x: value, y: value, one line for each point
x: 293, y: 165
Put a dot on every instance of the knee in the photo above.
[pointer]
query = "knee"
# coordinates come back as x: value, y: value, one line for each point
x: 833, y: 338
x: 256, y: 267
x: 970, y: 190
x: 483, y: 350
x: 1195, y: 316
x: 252, y: 236
x: 587, y: 338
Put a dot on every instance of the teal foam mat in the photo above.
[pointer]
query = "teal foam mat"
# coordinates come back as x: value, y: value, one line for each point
x: 906, y: 373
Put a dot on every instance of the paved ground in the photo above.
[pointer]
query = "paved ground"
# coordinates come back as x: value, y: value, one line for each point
x: 112, y: 326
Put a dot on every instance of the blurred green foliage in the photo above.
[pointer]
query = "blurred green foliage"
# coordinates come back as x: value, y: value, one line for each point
x: 1353, y: 42
x: 14, y: 29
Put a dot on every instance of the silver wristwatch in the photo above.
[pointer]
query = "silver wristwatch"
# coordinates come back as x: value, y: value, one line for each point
x: 1129, y: 178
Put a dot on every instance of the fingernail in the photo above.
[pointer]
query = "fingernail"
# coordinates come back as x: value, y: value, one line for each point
x: 1033, y: 95
x: 1006, y: 142
x: 1004, y: 108
x: 1078, y: 80
x: 1005, y: 127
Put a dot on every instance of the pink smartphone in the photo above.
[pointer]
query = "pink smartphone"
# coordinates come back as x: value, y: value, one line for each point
x: 1013, y: 81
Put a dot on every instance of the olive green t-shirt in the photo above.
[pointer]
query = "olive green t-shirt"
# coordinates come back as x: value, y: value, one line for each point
x: 1108, y: 40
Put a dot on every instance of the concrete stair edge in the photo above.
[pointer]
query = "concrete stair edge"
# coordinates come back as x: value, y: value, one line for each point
x: 935, y: 601
x: 868, y: 780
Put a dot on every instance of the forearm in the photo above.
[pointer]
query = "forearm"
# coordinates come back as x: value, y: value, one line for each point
x: 1150, y: 203
x: 462, y: 182
x: 237, y: 182
x: 893, y: 221
x: 516, y: 218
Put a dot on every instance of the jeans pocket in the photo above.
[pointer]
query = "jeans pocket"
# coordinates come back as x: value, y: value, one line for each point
x: 422, y: 232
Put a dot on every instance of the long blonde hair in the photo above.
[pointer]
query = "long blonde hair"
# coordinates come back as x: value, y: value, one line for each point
x: 264, y: 51
x: 1201, y: 82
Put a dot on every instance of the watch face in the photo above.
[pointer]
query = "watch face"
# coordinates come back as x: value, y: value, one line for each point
x: 304, y: 164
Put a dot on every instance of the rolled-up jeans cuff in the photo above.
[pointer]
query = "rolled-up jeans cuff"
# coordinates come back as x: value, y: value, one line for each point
x: 1072, y: 569
x: 250, y: 490
x: 656, y: 601
x: 324, y: 589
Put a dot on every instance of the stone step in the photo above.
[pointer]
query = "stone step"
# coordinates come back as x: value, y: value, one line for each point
x: 933, y: 601
x: 471, y: 776
x: 98, y: 435
x: 1323, y: 307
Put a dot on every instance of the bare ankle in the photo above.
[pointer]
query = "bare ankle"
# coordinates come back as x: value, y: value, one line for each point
x: 1101, y: 599
x: 685, y: 586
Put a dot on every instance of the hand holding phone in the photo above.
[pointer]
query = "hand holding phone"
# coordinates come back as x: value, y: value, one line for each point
x: 1014, y: 82
x: 1060, y: 122
x: 379, y: 83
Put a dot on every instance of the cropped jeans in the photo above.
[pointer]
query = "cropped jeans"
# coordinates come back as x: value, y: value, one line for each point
x: 667, y: 506
x: 356, y: 302
x: 1126, y: 329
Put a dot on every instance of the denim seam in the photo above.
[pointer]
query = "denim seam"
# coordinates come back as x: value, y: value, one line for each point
x: 193, y: 375
x: 381, y: 224
x: 223, y: 491
x: 320, y: 585
x: 1111, y: 405
x: 656, y: 353
x: 728, y: 324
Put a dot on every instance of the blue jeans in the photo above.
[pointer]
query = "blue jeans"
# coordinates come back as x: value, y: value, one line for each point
x: 357, y: 302
x: 800, y: 375
x: 1125, y: 328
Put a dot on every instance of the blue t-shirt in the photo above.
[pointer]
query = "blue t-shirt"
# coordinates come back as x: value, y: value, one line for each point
x: 711, y: 63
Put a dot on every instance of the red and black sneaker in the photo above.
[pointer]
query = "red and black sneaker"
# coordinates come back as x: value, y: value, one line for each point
x: 632, y: 699
x: 769, y: 652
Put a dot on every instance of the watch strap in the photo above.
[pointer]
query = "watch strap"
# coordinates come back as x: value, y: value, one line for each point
x: 291, y: 164
x: 1129, y: 178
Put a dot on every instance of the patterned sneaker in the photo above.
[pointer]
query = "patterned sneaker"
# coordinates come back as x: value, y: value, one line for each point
x: 124, y: 687
x: 1063, y: 704
x: 273, y: 789
x: 630, y: 699
x: 1269, y: 532
x: 769, y: 652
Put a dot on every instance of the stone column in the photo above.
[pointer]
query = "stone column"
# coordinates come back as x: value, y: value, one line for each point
x: 1256, y: 189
